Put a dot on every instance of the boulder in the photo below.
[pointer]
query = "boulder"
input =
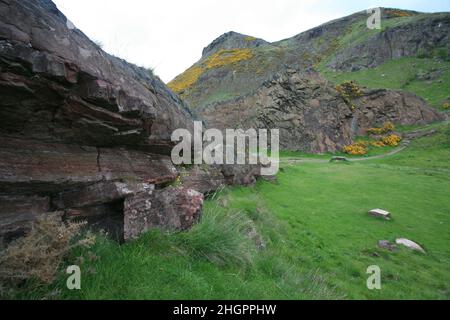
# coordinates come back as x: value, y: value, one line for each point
x: 243, y: 175
x: 205, y: 179
x: 385, y: 244
x: 380, y: 213
x: 410, y: 245
x: 173, y: 209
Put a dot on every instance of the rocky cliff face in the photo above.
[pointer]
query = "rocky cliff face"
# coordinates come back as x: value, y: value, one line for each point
x: 84, y: 134
x: 409, y: 37
x: 312, y: 115
x: 232, y: 40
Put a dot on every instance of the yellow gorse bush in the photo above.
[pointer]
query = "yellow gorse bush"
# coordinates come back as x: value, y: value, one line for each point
x: 219, y: 59
x: 392, y: 140
x: 186, y: 79
x: 349, y: 89
x: 356, y: 149
x: 227, y: 57
x: 386, y: 128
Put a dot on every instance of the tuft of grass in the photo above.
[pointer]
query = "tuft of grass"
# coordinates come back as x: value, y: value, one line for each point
x: 99, y: 44
x: 150, y: 71
x: 220, y: 238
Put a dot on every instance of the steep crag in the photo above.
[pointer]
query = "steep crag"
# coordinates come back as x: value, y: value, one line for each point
x: 83, y: 134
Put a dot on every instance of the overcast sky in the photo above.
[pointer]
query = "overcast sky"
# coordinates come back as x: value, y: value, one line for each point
x: 169, y: 35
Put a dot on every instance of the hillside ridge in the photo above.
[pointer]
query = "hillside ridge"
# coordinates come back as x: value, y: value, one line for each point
x: 343, y: 44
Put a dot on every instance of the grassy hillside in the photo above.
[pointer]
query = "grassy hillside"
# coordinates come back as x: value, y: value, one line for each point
x: 427, y: 75
x: 318, y: 239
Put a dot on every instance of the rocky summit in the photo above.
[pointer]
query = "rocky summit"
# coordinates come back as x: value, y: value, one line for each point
x: 243, y: 82
x: 86, y: 135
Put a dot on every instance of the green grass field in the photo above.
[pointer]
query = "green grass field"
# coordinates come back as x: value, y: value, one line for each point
x: 318, y: 238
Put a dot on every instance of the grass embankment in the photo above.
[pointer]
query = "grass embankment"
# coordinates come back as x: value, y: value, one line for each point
x: 318, y: 238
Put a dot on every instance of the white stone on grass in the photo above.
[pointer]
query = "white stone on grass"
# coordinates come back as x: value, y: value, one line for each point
x: 410, y: 244
x: 380, y: 213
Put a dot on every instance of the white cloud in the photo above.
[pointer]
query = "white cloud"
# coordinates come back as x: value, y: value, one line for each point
x: 169, y: 35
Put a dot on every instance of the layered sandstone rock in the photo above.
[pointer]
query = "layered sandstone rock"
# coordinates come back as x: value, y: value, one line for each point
x: 83, y: 133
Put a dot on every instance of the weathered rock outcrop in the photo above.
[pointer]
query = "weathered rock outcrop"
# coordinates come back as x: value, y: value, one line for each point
x: 83, y: 133
x: 312, y: 115
x: 422, y: 34
x: 379, y: 106
x: 232, y: 40
x: 70, y: 90
x: 78, y: 128
x: 176, y: 207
